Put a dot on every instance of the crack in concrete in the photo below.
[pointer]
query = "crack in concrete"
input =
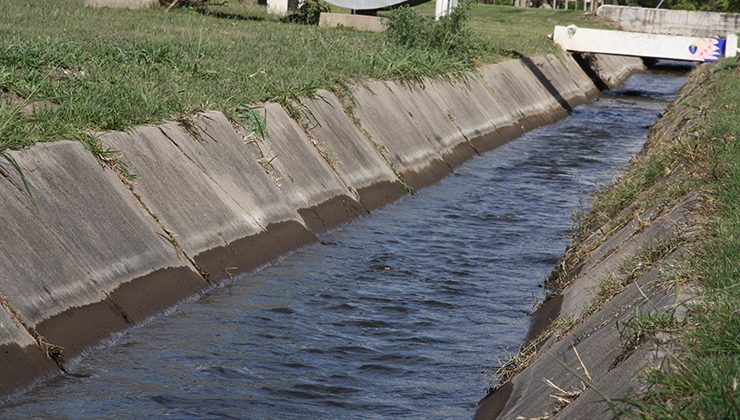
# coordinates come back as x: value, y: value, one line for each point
x: 54, y: 352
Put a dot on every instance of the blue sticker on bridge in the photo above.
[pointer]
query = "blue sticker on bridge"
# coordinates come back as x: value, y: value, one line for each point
x: 708, y: 49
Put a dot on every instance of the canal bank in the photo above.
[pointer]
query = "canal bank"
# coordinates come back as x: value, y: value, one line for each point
x: 634, y: 322
x: 394, y: 315
x: 213, y: 198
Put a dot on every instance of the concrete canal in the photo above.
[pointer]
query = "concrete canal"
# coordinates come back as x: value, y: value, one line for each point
x: 401, y: 314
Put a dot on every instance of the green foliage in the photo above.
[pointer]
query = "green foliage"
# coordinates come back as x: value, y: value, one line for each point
x: 309, y: 12
x: 451, y: 35
x: 701, y: 380
x: 8, y: 159
x: 254, y: 120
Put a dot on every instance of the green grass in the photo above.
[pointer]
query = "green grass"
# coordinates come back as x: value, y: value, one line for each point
x: 702, y: 378
x: 111, y: 69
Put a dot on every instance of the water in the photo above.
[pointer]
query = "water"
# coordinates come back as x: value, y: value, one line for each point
x: 401, y: 314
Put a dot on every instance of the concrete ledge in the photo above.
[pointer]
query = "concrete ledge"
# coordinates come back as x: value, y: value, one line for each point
x: 121, y: 4
x: 359, y: 22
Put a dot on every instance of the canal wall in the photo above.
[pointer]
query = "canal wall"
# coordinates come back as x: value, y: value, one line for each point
x: 88, y: 250
x: 614, y: 292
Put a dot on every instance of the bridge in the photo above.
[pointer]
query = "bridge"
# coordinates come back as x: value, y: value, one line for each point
x: 638, y: 44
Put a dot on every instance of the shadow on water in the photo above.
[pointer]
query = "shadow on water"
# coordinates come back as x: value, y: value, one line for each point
x: 402, y: 314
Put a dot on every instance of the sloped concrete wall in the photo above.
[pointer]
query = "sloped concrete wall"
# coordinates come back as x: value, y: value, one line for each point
x: 353, y: 158
x: 576, y: 89
x: 211, y: 195
x: 95, y: 252
x: 612, y: 70
x: 82, y: 258
x: 21, y: 359
x: 387, y: 124
x: 310, y: 183
x: 671, y: 22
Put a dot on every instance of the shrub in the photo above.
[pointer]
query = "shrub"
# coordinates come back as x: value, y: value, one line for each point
x: 452, y: 34
x: 308, y: 12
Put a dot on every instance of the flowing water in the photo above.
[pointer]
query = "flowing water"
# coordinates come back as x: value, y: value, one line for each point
x: 400, y: 314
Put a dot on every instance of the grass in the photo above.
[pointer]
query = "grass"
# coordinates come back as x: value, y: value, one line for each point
x: 111, y: 69
x: 701, y: 381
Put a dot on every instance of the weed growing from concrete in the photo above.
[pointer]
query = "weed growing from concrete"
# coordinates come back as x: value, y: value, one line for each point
x: 253, y: 120
x: 9, y: 159
x: 647, y: 325
x: 527, y: 354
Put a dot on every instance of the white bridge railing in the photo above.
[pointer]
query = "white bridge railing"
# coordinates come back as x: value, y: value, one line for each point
x: 639, y: 44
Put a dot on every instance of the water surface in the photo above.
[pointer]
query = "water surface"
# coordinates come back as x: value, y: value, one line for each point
x: 401, y: 314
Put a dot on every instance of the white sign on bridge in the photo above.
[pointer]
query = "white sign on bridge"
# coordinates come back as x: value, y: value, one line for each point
x: 640, y: 44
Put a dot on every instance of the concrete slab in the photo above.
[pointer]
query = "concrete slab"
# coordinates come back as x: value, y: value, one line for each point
x: 209, y: 220
x: 354, y: 159
x: 599, y: 349
x: 480, y: 116
x: 567, y: 77
x: 21, y: 359
x: 416, y: 159
x: 223, y: 157
x: 359, y: 22
x: 433, y: 119
x: 122, y: 4
x: 309, y: 182
x: 90, y: 259
x: 618, y: 385
x: 613, y: 70
x: 578, y: 296
x: 221, y: 154
x: 528, y: 91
